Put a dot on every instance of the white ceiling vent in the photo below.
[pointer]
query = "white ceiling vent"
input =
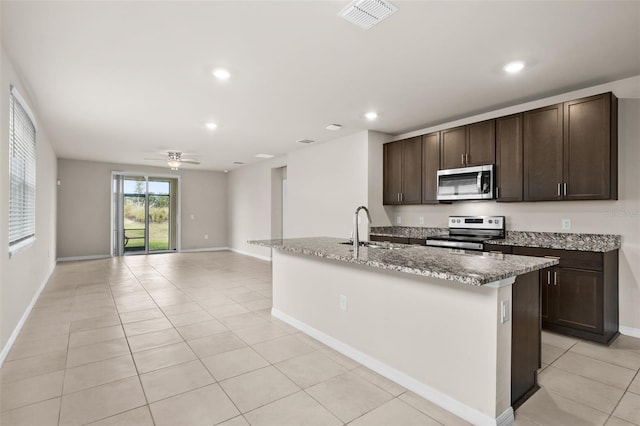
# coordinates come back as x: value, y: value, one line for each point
x: 367, y: 13
x: 305, y: 141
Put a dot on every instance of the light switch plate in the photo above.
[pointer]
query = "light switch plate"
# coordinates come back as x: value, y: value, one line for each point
x: 421, y: 220
x: 566, y: 224
x: 343, y: 302
x: 398, y: 220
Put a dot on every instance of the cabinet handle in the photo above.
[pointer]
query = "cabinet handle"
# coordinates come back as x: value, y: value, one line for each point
x: 497, y: 192
x: 466, y: 158
x: 555, y: 277
x: 398, y: 196
x: 548, y: 277
x: 462, y: 159
x: 565, y: 189
x: 559, y: 193
x: 402, y: 197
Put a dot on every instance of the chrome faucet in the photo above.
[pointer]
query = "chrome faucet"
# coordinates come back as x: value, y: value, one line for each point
x: 356, y: 239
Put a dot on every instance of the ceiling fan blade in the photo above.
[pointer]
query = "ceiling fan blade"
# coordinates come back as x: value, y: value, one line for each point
x: 187, y: 160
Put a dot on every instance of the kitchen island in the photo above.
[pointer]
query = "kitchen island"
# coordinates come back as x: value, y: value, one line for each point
x: 437, y: 321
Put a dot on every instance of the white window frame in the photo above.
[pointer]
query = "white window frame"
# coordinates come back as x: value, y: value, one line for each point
x: 26, y: 178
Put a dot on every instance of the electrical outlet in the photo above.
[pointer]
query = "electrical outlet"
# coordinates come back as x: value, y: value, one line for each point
x: 566, y: 224
x: 343, y: 302
x: 398, y: 220
x: 206, y: 236
x: 504, y: 311
x: 421, y: 220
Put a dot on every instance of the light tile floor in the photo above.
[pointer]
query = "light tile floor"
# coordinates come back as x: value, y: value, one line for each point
x: 188, y: 339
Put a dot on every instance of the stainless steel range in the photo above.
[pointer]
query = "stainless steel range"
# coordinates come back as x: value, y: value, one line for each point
x: 469, y: 232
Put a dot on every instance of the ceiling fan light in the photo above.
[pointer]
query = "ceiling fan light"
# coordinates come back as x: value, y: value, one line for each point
x: 174, y: 164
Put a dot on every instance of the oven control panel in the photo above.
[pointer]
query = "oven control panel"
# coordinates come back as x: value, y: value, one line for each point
x: 476, y: 222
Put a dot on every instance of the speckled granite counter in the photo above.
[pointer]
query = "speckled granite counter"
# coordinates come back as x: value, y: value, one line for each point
x: 469, y: 267
x: 550, y: 240
x: 563, y: 241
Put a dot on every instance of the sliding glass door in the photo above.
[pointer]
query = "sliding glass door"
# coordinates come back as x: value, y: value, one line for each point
x: 144, y: 213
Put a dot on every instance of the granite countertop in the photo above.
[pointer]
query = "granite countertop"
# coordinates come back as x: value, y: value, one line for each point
x: 560, y: 240
x: 468, y: 267
x: 550, y: 240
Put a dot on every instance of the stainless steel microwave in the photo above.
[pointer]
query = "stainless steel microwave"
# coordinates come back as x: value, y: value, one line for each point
x: 467, y: 183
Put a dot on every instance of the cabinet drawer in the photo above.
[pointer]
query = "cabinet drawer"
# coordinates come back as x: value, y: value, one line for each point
x: 568, y: 258
x: 383, y: 238
x: 498, y: 248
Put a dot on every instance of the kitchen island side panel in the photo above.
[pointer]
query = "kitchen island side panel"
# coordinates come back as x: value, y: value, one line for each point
x: 445, y: 335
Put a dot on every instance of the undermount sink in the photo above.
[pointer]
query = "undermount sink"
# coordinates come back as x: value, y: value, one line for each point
x: 384, y: 246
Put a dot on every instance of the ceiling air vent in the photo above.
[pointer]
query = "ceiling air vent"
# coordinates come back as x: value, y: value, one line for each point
x: 238, y: 162
x: 367, y: 13
x: 305, y: 141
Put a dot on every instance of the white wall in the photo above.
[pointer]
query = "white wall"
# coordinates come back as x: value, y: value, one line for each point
x: 23, y: 275
x: 249, y: 206
x: 84, y: 206
x: 601, y: 217
x: 325, y: 184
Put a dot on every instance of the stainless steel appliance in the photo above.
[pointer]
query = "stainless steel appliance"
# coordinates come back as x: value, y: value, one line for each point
x: 467, y: 183
x: 469, y: 232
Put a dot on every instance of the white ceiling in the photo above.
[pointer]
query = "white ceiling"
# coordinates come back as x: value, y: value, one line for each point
x: 120, y: 81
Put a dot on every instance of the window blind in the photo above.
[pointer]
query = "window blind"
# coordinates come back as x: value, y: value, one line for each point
x: 22, y: 171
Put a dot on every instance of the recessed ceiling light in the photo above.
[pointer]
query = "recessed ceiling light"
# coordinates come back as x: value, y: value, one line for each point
x: 514, y: 67
x: 334, y: 127
x: 264, y: 156
x: 211, y: 126
x: 371, y: 115
x: 221, y: 74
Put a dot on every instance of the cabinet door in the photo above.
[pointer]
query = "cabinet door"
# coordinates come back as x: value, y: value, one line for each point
x: 481, y: 143
x: 430, y: 165
x: 543, y: 154
x: 578, y: 300
x: 453, y: 148
x: 587, y: 148
x: 509, y: 158
x: 411, y: 171
x: 392, y: 173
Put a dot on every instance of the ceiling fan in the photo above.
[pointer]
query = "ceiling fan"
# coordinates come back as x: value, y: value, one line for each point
x: 174, y: 160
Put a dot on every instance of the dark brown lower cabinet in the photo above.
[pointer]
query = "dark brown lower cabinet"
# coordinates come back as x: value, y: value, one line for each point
x: 525, y: 337
x: 579, y: 297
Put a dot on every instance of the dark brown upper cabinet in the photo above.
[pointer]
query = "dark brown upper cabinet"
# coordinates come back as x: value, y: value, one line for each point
x: 402, y: 173
x: 470, y: 145
x: 590, y: 158
x: 509, y: 158
x: 430, y: 165
x: 570, y: 150
x: 543, y: 153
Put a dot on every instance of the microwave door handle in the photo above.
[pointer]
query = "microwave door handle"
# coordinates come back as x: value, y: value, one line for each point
x: 479, y: 182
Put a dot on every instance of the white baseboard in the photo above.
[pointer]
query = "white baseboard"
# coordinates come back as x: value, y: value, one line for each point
x: 75, y: 258
x: 629, y: 331
x: 246, y: 253
x: 506, y: 418
x: 441, y: 399
x: 198, y: 250
x: 25, y: 315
